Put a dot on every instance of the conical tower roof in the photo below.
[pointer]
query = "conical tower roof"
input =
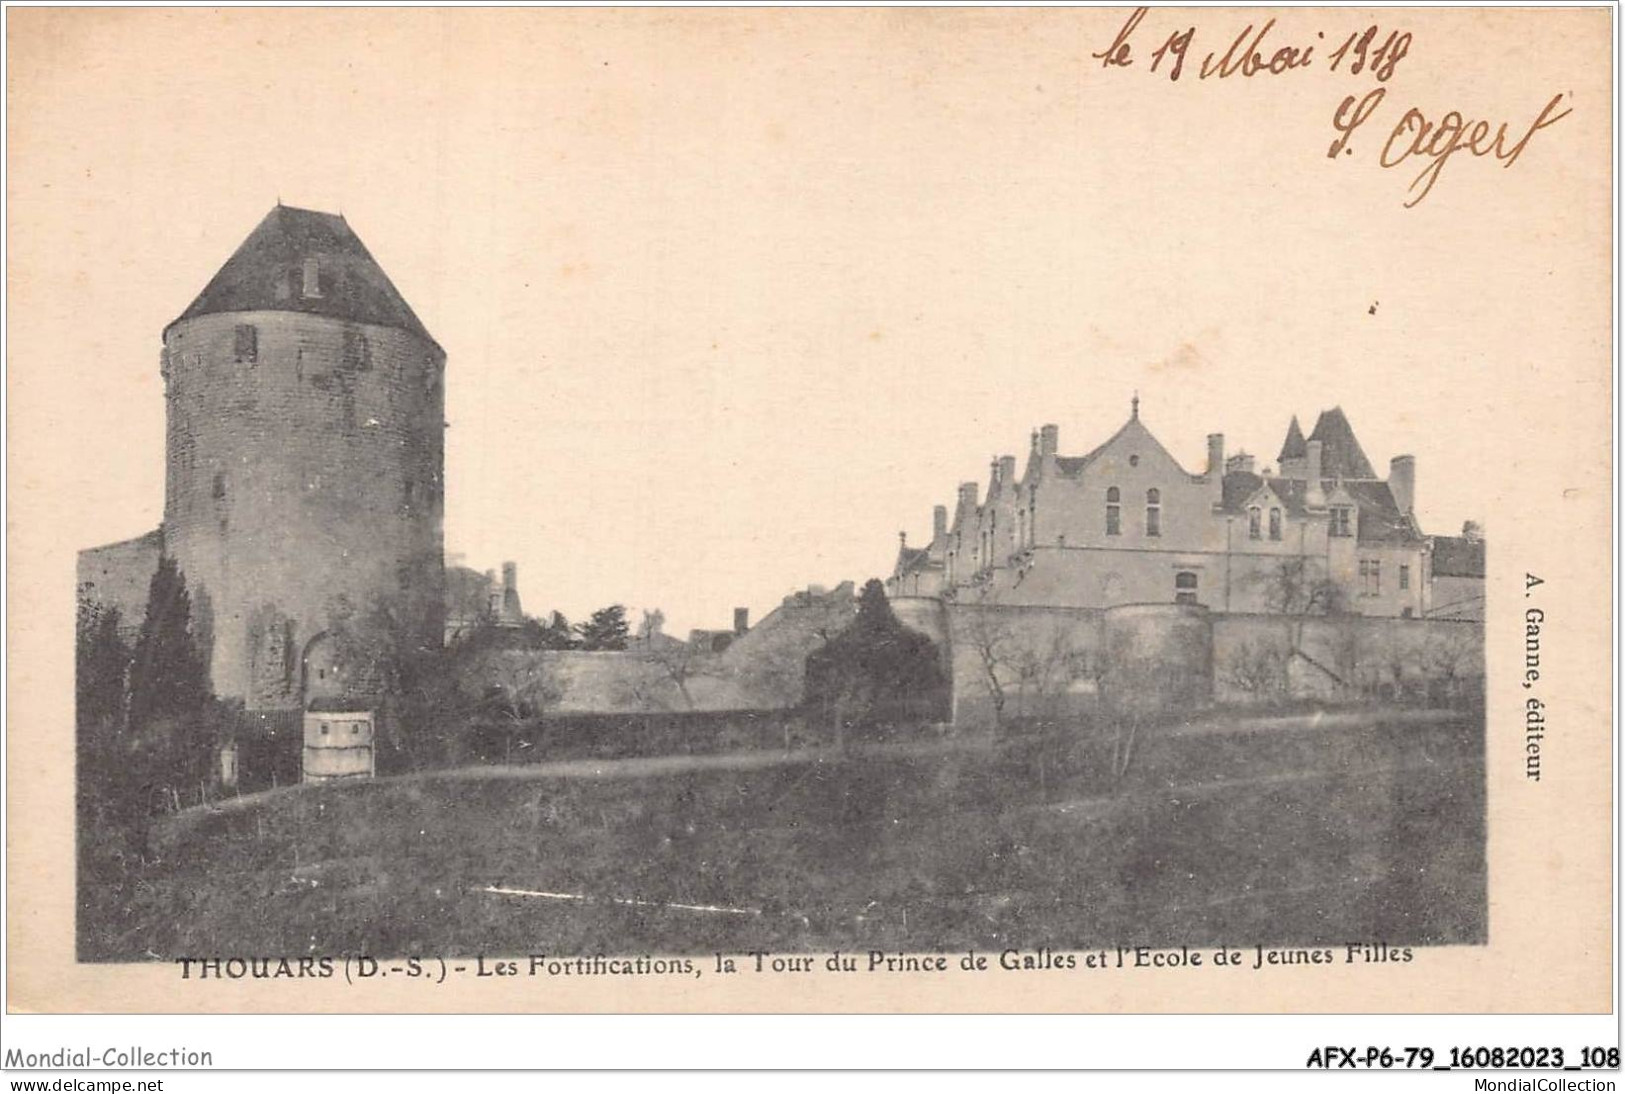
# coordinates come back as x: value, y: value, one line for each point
x: 267, y: 273
x: 1294, y: 447
x: 1341, y: 455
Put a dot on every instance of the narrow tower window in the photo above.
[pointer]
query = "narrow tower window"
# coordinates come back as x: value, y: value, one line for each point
x: 1114, y: 511
x: 248, y: 343
x: 312, y: 286
x: 357, y: 353
x: 1275, y: 524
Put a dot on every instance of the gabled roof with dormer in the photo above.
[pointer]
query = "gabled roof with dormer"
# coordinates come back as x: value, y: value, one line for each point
x: 910, y: 559
x: 1380, y: 520
x: 266, y: 273
x: 1265, y: 496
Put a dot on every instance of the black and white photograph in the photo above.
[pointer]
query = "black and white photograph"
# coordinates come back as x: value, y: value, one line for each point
x: 718, y: 509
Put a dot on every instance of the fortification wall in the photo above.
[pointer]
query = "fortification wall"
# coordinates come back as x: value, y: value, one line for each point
x: 1014, y: 662
x: 119, y: 575
x: 768, y: 662
x: 927, y: 616
x: 1049, y: 662
x: 304, y: 484
x: 1018, y: 661
x: 1155, y: 658
x: 1260, y: 656
x: 603, y: 682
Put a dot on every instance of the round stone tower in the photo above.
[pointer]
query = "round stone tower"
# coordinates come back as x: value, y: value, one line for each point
x: 303, y: 494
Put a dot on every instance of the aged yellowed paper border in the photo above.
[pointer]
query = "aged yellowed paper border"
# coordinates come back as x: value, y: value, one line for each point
x: 1462, y: 298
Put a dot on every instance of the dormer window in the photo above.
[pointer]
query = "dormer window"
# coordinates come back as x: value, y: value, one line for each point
x: 1153, y: 512
x: 1275, y: 524
x: 1342, y: 521
x: 1114, y: 511
x: 312, y: 286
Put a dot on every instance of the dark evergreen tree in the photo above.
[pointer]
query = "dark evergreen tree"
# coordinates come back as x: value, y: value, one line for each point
x: 557, y: 634
x: 101, y: 665
x: 168, y: 677
x: 606, y: 630
x: 877, y: 671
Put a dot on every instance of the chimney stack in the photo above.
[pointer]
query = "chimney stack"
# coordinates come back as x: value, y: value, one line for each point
x: 967, y: 495
x: 1007, y: 470
x: 1402, y: 482
x: 1313, y: 494
x: 1049, y: 440
x: 939, y: 523
x: 741, y: 620
x: 511, y: 610
x: 1241, y: 461
x: 1215, y: 467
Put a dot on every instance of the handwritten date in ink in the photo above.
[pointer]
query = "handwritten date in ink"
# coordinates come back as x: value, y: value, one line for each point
x: 1253, y: 52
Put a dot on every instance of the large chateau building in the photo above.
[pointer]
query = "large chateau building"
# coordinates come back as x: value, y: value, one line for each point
x: 1126, y: 524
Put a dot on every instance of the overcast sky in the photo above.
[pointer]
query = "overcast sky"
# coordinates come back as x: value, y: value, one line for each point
x: 730, y: 298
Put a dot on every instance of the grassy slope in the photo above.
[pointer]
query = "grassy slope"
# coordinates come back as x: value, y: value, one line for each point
x: 1371, y: 834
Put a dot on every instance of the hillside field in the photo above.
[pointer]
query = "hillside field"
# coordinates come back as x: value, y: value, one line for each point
x: 1235, y: 835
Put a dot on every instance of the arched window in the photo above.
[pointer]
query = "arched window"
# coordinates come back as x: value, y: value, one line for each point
x: 1114, y: 511
x: 1185, y: 587
x: 1153, y: 512
x: 1254, y: 516
x: 1275, y: 524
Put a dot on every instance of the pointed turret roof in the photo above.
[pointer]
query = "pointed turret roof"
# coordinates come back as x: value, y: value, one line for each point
x: 267, y: 273
x: 1294, y: 447
x: 1340, y: 454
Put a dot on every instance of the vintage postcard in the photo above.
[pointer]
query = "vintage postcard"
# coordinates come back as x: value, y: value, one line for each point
x: 975, y: 510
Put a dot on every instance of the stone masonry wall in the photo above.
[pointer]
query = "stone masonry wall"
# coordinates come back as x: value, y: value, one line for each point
x: 119, y: 575
x: 304, y: 483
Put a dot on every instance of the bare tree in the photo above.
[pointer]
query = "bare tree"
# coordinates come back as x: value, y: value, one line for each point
x: 522, y: 687
x: 992, y: 639
x: 681, y: 664
x: 1259, y: 668
x: 1293, y: 588
x: 651, y: 628
x: 1045, y: 664
x: 1452, y: 660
